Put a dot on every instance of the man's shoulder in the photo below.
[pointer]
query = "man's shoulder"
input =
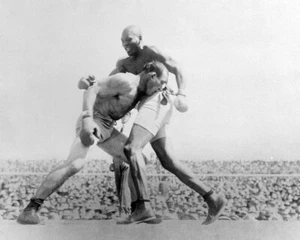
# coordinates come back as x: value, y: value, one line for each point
x: 121, y: 61
x: 123, y: 82
x: 152, y: 52
x: 151, y: 49
x: 122, y: 77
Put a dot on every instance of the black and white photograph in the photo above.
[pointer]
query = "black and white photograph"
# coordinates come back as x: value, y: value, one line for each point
x: 149, y: 120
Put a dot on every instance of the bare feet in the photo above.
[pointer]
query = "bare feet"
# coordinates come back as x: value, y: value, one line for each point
x: 216, y: 205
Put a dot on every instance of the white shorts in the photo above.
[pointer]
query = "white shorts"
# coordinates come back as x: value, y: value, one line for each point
x: 153, y: 115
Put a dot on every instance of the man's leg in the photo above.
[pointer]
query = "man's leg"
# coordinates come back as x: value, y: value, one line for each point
x: 138, y: 138
x: 54, y: 180
x: 114, y: 146
x: 164, y: 152
x: 121, y: 172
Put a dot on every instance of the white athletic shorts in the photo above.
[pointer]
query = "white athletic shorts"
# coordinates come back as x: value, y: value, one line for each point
x: 153, y: 115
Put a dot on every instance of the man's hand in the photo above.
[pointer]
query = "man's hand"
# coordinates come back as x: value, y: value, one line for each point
x: 126, y: 118
x: 181, y: 103
x: 86, y: 82
x: 89, y: 131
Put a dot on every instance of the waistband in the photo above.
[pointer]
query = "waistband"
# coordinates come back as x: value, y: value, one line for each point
x: 107, y: 121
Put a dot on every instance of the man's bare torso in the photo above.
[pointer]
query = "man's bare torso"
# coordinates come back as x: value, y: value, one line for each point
x: 116, y: 107
x: 135, y: 64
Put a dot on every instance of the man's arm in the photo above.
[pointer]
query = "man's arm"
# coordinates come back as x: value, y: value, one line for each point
x: 86, y: 82
x: 172, y: 67
x: 117, y: 84
x: 104, y: 88
x: 88, y: 128
x: 89, y: 99
x: 119, y: 67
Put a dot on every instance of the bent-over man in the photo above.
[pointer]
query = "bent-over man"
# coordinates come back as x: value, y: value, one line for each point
x: 107, y: 101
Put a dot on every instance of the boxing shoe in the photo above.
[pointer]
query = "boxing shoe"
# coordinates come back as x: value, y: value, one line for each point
x: 29, y: 216
x: 157, y: 220
x: 216, y: 205
x: 138, y: 217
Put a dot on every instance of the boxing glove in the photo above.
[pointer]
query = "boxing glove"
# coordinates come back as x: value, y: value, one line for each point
x: 88, y: 131
x: 181, y: 103
x: 85, y: 82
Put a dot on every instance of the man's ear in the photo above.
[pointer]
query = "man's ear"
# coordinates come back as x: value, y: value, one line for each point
x: 152, y: 74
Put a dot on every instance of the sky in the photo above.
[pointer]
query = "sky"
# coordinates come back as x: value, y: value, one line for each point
x: 241, y: 60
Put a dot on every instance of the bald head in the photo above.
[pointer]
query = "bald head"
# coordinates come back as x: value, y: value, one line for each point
x: 134, y: 30
x: 132, y: 40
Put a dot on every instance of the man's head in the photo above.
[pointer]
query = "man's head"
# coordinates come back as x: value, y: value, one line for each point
x: 132, y: 40
x: 153, y: 77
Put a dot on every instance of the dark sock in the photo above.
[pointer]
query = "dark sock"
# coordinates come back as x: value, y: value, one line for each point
x: 134, y: 204
x: 206, y: 195
x: 35, y: 203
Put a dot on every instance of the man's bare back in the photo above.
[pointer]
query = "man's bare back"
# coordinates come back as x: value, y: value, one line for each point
x: 124, y: 98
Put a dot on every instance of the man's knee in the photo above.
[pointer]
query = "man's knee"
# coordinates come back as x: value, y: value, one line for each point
x: 68, y: 169
x: 131, y: 151
x: 75, y: 166
x: 87, y: 139
x: 178, y: 168
x: 172, y: 165
x: 128, y: 150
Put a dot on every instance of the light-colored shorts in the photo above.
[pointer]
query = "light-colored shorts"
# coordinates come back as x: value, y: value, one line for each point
x: 106, y: 128
x: 153, y: 115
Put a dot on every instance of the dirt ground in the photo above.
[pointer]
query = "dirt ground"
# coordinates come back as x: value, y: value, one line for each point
x: 186, y: 230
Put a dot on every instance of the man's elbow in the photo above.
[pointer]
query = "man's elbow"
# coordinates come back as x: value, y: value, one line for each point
x: 113, y: 72
x: 178, y: 71
x: 174, y: 67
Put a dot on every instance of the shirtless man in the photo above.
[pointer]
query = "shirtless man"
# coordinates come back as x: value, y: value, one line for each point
x: 107, y: 101
x: 149, y: 126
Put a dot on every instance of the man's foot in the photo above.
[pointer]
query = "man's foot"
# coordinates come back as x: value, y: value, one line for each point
x: 216, y: 205
x: 29, y: 216
x: 157, y: 220
x: 138, y: 216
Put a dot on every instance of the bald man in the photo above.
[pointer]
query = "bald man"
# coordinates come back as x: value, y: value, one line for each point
x: 107, y: 101
x: 149, y: 126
